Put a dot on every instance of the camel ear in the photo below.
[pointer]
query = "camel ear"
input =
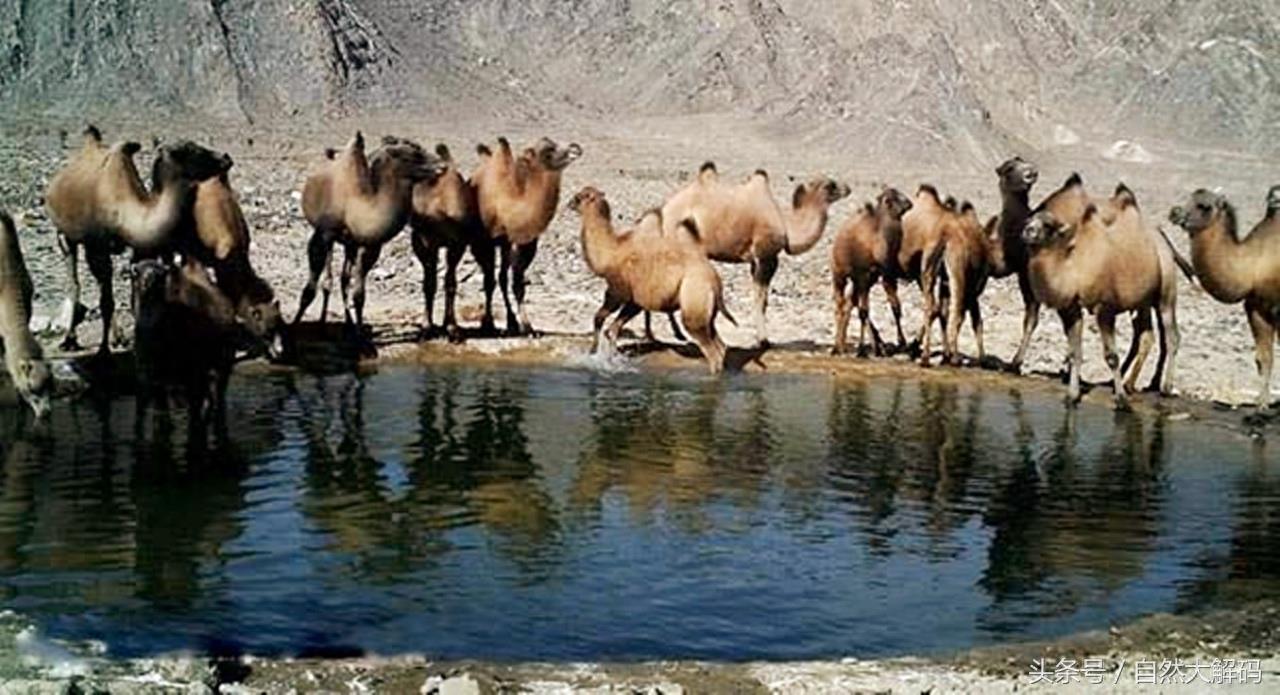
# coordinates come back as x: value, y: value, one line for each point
x: 131, y: 148
x: 359, y: 140
x: 1089, y: 212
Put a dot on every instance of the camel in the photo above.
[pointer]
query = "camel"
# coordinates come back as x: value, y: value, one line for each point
x: 1106, y: 269
x: 218, y: 239
x: 98, y: 201
x: 445, y: 214
x: 742, y: 223
x: 186, y: 336
x: 23, y: 356
x: 517, y: 199
x: 1009, y: 256
x: 966, y: 256
x: 653, y: 272
x: 861, y: 255
x: 1233, y: 270
x: 361, y: 202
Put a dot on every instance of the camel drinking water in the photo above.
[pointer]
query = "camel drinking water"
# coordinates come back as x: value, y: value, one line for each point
x: 23, y: 356
x: 98, y: 201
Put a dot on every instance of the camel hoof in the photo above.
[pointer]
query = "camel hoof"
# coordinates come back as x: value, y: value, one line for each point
x: 454, y: 334
x: 1013, y: 368
x: 836, y: 352
x: 69, y: 344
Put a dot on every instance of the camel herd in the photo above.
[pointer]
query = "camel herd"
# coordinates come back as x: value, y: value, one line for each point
x: 195, y: 289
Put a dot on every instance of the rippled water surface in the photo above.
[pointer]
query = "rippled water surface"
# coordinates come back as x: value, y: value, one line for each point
x: 571, y: 515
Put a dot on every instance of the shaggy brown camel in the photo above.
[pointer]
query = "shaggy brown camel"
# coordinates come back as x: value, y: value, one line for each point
x: 1106, y: 269
x: 919, y: 258
x: 99, y: 202
x: 967, y: 251
x: 652, y: 272
x: 445, y: 214
x: 219, y: 240
x: 362, y: 203
x: 1232, y: 269
x: 863, y: 250
x: 743, y: 223
x: 23, y: 356
x: 186, y: 336
x: 1009, y: 257
x: 517, y: 199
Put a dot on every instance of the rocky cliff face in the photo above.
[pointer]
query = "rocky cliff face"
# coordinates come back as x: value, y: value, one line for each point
x: 887, y: 75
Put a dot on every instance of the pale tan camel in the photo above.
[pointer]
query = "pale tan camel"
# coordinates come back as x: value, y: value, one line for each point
x: 651, y: 272
x: 219, y: 240
x: 362, y: 203
x: 1234, y: 269
x: 446, y: 215
x: 919, y: 258
x: 98, y: 201
x: 517, y: 199
x: 863, y: 249
x: 1106, y: 269
x: 967, y: 253
x: 23, y: 356
x: 743, y: 223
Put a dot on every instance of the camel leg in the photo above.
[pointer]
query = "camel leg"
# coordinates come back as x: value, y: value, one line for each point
x: 975, y: 317
x: 1170, y: 340
x: 648, y: 327
x: 72, y: 310
x: 955, y: 319
x: 675, y: 327
x: 428, y: 255
x: 610, y: 304
x: 1264, y: 339
x: 1030, y: 319
x: 895, y: 305
x: 703, y: 334
x: 524, y: 254
x: 365, y: 258
x: 843, y: 307
x: 319, y: 250
x: 99, y: 259
x: 1139, y: 349
x: 762, y: 270
x: 931, y: 312
x: 453, y: 256
x: 864, y: 317
x: 482, y: 250
x: 504, y: 276
x: 350, y: 258
x: 1107, y: 329
x: 629, y: 311
x: 1073, y: 326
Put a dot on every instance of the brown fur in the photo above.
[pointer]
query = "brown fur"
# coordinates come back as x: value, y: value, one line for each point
x: 646, y: 270
x: 864, y: 247
x: 1106, y: 269
x: 219, y: 239
x: 1009, y: 256
x: 966, y: 256
x: 517, y: 199
x: 97, y: 200
x: 743, y: 223
x: 446, y: 215
x: 23, y: 356
x: 361, y: 202
x: 1234, y: 270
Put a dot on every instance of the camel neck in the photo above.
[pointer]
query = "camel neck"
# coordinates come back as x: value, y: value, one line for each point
x: 804, y: 227
x: 599, y: 243
x: 1220, y: 262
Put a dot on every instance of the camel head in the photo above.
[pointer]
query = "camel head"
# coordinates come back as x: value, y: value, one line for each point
x: 893, y: 201
x: 588, y: 198
x: 187, y: 161
x: 1200, y: 211
x: 411, y: 160
x: 262, y: 321
x: 1017, y: 175
x: 33, y: 382
x: 1044, y: 229
x: 1273, y: 201
x: 821, y: 191
x: 552, y: 157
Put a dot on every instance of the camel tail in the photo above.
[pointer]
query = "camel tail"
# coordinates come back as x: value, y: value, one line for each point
x: 1184, y: 265
x: 91, y: 132
x: 936, y: 257
x: 720, y: 305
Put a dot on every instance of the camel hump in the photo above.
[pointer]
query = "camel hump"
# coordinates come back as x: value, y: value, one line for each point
x: 131, y: 148
x: 707, y: 166
x: 330, y: 153
x: 1073, y: 180
x: 928, y: 189
x: 91, y: 132
x: 358, y: 141
x: 1124, y: 197
x: 868, y: 208
x: 950, y: 203
x: 761, y: 173
x: 483, y: 150
x: 1090, y: 211
x: 966, y: 207
x: 504, y: 144
x: 691, y: 227
x: 442, y: 151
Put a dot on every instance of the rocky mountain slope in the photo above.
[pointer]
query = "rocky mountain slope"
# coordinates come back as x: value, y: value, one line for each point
x: 896, y: 77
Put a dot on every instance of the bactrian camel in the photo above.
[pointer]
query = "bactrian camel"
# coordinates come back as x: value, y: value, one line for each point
x: 23, y: 356
x: 651, y: 272
x: 1106, y: 268
x: 98, y: 201
x: 864, y: 248
x: 743, y: 223
x: 1236, y: 269
x: 362, y: 203
x: 517, y: 198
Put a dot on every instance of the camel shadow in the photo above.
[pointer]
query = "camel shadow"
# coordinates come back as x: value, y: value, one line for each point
x: 325, y: 347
